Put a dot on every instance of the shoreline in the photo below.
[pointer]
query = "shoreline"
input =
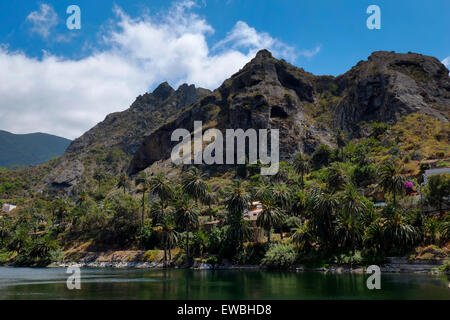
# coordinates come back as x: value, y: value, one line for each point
x: 395, y: 265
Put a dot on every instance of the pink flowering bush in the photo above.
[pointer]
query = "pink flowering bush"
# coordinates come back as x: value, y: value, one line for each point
x: 409, y: 186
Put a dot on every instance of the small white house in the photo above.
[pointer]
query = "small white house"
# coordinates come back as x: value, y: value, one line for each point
x: 8, y: 207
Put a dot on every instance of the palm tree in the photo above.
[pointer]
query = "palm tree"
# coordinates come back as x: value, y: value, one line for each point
x: 237, y: 201
x: 193, y: 184
x: 123, y: 182
x: 209, y: 199
x: 99, y: 176
x: 172, y: 240
x: 161, y: 186
x: 337, y: 177
x: 340, y: 141
x: 322, y: 209
x: 299, y: 204
x: 374, y: 236
x: 261, y: 191
x: 301, y: 166
x: 143, y: 180
x: 398, y: 232
x: 353, y: 208
x: 390, y: 179
x: 186, y: 216
x: 169, y: 236
x: 270, y: 216
x: 281, y: 195
x: 302, y: 236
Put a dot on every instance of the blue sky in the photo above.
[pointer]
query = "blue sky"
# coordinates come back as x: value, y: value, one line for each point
x: 64, y: 81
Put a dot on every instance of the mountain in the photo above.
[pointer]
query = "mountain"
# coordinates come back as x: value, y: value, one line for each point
x: 265, y: 93
x: 29, y: 149
x: 117, y: 138
x: 308, y: 109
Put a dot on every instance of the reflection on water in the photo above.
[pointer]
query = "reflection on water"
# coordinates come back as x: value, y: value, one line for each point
x: 50, y: 283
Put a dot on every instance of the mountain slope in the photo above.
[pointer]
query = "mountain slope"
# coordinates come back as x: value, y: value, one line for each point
x: 270, y: 93
x: 109, y: 145
x: 29, y: 149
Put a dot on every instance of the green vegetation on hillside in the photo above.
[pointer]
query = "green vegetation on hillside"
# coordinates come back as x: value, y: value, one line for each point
x: 318, y: 210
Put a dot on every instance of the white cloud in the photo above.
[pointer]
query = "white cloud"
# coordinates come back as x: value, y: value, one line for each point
x: 446, y: 62
x: 67, y: 97
x: 242, y: 36
x: 43, y: 20
x: 310, y: 53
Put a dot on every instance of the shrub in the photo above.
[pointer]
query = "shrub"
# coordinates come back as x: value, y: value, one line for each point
x: 279, y: 256
x: 378, y: 129
x: 348, y: 259
x: 152, y: 256
x: 364, y: 175
x: 321, y: 156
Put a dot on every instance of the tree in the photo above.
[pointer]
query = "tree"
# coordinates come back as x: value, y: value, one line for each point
x: 353, y: 207
x: 322, y: 210
x: 340, y: 141
x: 123, y: 183
x: 186, y: 216
x: 237, y: 201
x: 302, y: 236
x: 193, y: 184
x: 143, y: 181
x: 321, y: 156
x: 270, y: 216
x: 301, y: 166
x: 336, y: 178
x: 169, y: 236
x: 162, y: 187
x: 398, y: 232
x: 41, y: 247
x: 209, y: 199
x: 282, y: 198
x: 298, y: 204
x: 99, y: 176
x: 281, y: 195
x: 390, y: 179
x: 437, y: 190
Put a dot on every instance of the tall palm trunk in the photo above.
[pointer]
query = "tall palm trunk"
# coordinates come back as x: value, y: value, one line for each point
x: 395, y: 199
x: 187, y: 242
x: 268, y: 235
x: 143, y: 206
x: 165, y: 250
x: 170, y: 255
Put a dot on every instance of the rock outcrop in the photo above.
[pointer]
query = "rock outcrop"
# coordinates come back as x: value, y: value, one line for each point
x: 118, y: 137
x: 273, y: 94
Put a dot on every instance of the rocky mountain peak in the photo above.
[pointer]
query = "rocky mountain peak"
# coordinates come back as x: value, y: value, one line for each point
x: 163, y: 91
x: 307, y: 109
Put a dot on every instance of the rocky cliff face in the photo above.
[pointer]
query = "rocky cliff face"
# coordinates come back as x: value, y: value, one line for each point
x: 270, y: 93
x: 118, y: 137
x: 389, y: 85
x: 267, y: 93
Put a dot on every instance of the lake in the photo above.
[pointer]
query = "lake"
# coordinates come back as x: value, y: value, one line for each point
x: 50, y: 283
